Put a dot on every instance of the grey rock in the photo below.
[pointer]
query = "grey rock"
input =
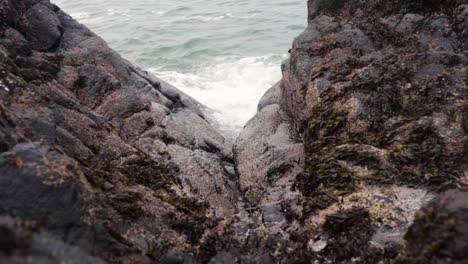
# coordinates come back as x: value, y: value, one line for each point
x: 316, y: 7
x: 31, y: 188
x: 266, y: 153
x: 128, y: 169
x: 177, y: 258
x: 44, y: 27
x: 443, y: 222
x: 117, y: 152
x: 20, y: 240
x: 272, y: 96
x: 108, y: 185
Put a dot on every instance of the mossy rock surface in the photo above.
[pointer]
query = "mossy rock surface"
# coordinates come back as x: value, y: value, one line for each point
x: 392, y: 111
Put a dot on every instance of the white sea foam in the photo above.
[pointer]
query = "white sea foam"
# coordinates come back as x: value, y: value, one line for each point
x: 86, y: 18
x: 230, y: 88
x: 194, y: 44
x: 80, y: 15
x: 202, y: 18
x: 208, y: 18
x: 159, y: 13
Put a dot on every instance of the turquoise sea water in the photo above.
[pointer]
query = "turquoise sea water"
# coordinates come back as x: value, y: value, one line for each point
x: 224, y: 53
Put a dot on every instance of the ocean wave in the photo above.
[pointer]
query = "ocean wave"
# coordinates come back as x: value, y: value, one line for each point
x: 202, y: 18
x: 178, y: 9
x: 86, y: 18
x: 80, y: 15
x: 206, y: 48
x: 230, y: 87
x: 207, y: 18
x: 159, y: 13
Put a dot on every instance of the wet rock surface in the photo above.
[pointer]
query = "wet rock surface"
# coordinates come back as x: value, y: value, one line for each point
x: 378, y: 91
x: 375, y: 94
x: 266, y: 154
x: 439, y: 233
x: 103, y: 159
x: 101, y: 162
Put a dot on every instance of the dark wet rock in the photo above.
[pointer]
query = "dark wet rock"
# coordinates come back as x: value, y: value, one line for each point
x: 101, y: 155
x: 40, y: 184
x: 202, y: 172
x: 374, y: 94
x: 267, y: 155
x: 331, y: 7
x: 44, y: 27
x: 102, y: 162
x: 25, y: 242
x: 439, y: 233
x: 192, y: 131
x: 271, y: 214
x: 227, y: 258
x: 349, y: 232
x: 177, y: 258
x: 373, y: 108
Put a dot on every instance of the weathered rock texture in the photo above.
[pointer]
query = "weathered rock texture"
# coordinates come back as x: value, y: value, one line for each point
x: 376, y: 92
x: 266, y: 152
x: 99, y: 158
x: 379, y: 91
x: 101, y: 162
x: 440, y: 232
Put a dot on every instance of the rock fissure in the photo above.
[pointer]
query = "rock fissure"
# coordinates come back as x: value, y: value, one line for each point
x: 348, y: 159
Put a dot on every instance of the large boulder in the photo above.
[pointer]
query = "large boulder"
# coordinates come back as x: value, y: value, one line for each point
x: 375, y: 92
x: 105, y: 159
x: 44, y: 27
x: 381, y: 101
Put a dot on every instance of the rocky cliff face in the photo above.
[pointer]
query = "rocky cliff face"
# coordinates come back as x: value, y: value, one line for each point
x: 98, y: 157
x: 375, y: 91
x: 101, y: 162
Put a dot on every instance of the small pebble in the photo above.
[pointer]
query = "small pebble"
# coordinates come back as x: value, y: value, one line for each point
x: 108, y: 186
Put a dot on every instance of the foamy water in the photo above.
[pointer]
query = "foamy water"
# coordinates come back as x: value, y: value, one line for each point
x: 224, y: 53
x: 231, y: 88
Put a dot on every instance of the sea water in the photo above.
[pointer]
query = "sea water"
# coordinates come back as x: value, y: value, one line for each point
x: 224, y: 53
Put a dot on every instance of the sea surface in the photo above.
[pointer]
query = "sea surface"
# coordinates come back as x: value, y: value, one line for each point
x: 224, y: 53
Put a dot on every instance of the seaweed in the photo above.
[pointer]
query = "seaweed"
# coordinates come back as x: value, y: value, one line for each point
x: 349, y: 231
x: 340, y: 154
x: 439, y: 232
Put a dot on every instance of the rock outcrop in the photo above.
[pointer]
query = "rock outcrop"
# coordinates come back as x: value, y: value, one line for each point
x: 266, y: 153
x: 375, y: 91
x: 100, y: 158
x: 101, y: 162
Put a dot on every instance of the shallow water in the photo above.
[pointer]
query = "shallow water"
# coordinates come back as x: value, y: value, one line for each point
x: 224, y: 53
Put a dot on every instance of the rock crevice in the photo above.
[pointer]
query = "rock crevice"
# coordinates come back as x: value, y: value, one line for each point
x: 102, y: 162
